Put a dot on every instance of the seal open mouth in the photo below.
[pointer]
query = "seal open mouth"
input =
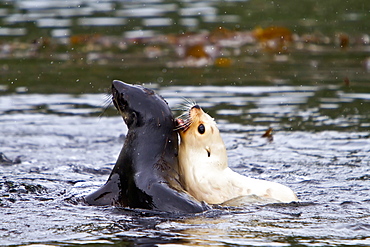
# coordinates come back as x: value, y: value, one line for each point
x: 118, y: 100
x: 123, y: 96
x: 184, y: 121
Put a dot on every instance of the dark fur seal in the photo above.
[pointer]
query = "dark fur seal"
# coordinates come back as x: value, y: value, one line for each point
x: 146, y: 172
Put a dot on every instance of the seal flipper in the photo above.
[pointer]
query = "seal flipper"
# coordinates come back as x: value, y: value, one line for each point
x: 175, y: 201
x: 170, y: 200
x: 108, y: 194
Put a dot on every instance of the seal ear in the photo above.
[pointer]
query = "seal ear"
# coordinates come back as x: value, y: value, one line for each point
x: 131, y: 119
x: 134, y: 118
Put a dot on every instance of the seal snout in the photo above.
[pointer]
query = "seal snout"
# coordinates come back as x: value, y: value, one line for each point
x: 117, y: 88
x: 120, y: 86
x: 184, y: 121
x: 119, y: 95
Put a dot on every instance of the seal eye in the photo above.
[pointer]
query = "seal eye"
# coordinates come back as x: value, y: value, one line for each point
x: 201, y: 129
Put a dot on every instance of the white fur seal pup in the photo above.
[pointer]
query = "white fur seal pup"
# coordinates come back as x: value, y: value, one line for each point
x: 204, y: 170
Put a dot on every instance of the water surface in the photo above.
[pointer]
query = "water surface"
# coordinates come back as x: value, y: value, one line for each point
x: 67, y: 152
x: 61, y: 144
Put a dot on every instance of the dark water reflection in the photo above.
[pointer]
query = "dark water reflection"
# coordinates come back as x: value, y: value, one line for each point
x: 315, y: 96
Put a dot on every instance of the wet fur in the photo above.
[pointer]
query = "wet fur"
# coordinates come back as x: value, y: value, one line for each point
x: 204, y: 170
x: 146, y: 174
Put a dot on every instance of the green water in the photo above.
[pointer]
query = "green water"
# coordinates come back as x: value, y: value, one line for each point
x: 44, y: 73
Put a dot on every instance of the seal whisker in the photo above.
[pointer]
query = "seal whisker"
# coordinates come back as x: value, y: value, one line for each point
x: 180, y: 107
x: 188, y: 104
x: 106, y: 104
x: 185, y: 107
x: 185, y: 125
x: 185, y: 117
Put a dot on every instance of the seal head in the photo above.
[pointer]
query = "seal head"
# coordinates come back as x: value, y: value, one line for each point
x: 146, y: 174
